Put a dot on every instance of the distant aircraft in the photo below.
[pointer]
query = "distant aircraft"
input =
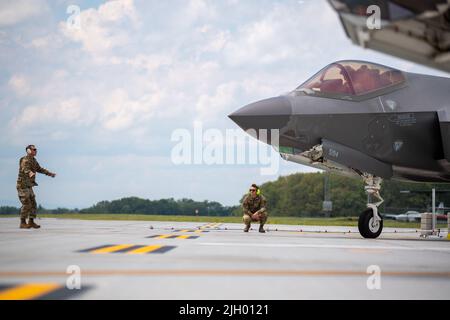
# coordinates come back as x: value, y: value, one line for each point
x: 415, y: 30
x: 362, y: 119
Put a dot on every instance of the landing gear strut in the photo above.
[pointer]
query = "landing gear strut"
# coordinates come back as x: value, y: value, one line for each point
x: 370, y: 223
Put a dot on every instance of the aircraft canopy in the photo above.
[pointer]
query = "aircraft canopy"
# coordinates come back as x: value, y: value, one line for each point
x: 352, y: 78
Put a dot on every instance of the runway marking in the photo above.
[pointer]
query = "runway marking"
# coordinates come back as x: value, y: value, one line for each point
x: 145, y: 249
x: 324, y: 246
x: 227, y: 273
x: 95, y: 248
x: 191, y: 230
x: 163, y: 236
x: 173, y: 236
x: 113, y: 248
x: 28, y: 291
x: 38, y: 291
x: 129, y: 249
x: 210, y: 226
x: 187, y: 237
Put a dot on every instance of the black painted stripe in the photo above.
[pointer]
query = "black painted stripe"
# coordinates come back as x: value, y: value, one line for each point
x: 6, y: 286
x: 176, y: 236
x: 163, y: 249
x: 63, y: 293
x: 97, y: 248
x: 159, y: 235
x: 187, y: 237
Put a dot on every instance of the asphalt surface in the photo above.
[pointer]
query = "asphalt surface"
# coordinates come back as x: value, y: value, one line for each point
x: 168, y: 260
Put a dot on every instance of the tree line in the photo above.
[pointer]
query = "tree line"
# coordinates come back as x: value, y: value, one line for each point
x: 296, y: 195
x: 302, y: 194
x: 135, y: 205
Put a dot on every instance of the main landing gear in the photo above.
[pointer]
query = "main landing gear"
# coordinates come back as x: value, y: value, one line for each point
x: 370, y: 222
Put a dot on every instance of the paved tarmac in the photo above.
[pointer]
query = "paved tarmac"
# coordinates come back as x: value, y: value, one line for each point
x: 179, y: 260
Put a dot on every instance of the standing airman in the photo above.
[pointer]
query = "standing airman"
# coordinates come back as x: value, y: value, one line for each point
x: 28, y: 167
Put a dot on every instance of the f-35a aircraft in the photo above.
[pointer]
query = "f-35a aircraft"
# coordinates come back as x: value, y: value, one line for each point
x: 362, y: 119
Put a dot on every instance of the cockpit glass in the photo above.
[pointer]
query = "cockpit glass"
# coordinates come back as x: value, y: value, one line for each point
x: 351, y: 78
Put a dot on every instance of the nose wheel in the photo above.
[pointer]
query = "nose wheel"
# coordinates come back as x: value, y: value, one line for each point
x: 368, y: 226
x: 370, y: 223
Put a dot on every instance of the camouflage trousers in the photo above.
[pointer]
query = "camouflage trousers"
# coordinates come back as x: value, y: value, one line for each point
x: 28, y: 200
x: 248, y: 219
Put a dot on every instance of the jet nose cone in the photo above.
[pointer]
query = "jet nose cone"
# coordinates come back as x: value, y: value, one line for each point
x: 273, y: 113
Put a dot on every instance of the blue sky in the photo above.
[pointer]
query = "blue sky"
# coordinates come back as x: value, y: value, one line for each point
x: 101, y: 102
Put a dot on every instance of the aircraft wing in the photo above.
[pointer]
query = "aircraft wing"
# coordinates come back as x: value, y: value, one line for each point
x: 418, y: 31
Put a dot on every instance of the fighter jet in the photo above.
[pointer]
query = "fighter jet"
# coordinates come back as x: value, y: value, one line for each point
x: 418, y: 31
x: 361, y: 119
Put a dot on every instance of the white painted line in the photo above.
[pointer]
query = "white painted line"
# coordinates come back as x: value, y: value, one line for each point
x: 322, y: 246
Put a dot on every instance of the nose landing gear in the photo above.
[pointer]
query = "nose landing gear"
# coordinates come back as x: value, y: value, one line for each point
x: 370, y: 223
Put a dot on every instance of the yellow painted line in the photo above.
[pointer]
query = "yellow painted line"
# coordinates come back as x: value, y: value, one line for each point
x: 164, y: 236
x: 112, y: 248
x: 28, y: 291
x: 145, y: 249
x: 185, y: 230
x: 183, y: 237
x: 198, y: 231
x: 210, y: 225
x: 448, y: 236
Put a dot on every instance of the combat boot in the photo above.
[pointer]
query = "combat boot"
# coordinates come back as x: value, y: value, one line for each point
x: 31, y: 224
x: 261, y: 229
x: 23, y: 224
x: 247, y: 227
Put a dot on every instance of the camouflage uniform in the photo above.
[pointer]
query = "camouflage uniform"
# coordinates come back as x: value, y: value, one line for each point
x: 25, y: 185
x: 252, y: 205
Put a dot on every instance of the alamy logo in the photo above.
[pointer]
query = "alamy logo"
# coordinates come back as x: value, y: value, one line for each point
x: 74, y: 20
x: 232, y: 147
x: 73, y: 282
x: 374, y: 280
x: 374, y: 20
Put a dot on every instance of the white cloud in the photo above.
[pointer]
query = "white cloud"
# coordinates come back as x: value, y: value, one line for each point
x: 99, y: 29
x: 200, y: 9
x: 121, y: 112
x: 263, y: 41
x: 150, y: 63
x: 19, y: 84
x: 14, y: 12
x: 65, y: 112
x: 209, y: 106
x: 116, y: 10
x: 281, y: 35
x: 49, y: 41
x: 215, y: 40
